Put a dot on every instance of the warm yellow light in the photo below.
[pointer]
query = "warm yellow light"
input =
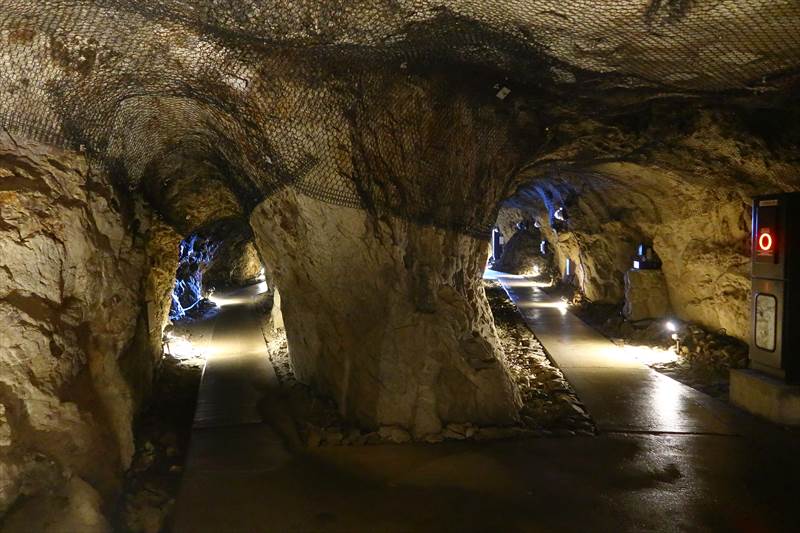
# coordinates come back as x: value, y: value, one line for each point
x: 650, y: 356
x: 513, y: 280
x: 181, y: 348
x: 242, y: 297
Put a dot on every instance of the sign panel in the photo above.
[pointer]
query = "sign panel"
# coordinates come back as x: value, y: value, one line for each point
x: 766, y: 234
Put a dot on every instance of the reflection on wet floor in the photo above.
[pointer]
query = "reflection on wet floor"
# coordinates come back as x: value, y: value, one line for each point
x: 619, y: 390
x: 654, y: 467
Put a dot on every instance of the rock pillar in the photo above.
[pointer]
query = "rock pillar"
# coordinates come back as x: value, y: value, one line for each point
x: 387, y: 316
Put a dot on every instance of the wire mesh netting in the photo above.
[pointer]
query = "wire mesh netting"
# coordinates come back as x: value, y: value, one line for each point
x: 315, y: 94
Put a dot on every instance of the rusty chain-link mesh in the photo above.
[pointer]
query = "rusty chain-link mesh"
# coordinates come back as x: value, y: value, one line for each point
x: 271, y: 90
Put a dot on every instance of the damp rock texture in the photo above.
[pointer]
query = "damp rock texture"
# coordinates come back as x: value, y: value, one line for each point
x: 369, y: 145
x: 680, y: 180
x: 384, y: 314
x: 70, y: 274
x: 645, y: 295
x: 236, y: 263
x: 522, y: 255
x: 389, y: 318
x: 162, y: 243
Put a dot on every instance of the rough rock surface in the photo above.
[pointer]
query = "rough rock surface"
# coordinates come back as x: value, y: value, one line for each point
x: 72, y: 506
x: 549, y: 405
x: 389, y: 318
x: 522, y: 255
x: 162, y: 253
x: 677, y: 178
x: 209, y: 124
x: 235, y: 264
x: 70, y: 274
x: 645, y: 295
x: 163, y: 431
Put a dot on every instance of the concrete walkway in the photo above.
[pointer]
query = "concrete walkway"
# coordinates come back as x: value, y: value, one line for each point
x: 244, y: 475
x: 621, y: 393
x: 237, y: 371
x: 233, y: 437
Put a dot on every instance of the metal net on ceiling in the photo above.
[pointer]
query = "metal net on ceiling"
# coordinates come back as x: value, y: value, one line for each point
x: 272, y: 90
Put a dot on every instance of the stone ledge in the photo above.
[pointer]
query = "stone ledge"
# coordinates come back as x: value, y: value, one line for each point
x: 766, y: 396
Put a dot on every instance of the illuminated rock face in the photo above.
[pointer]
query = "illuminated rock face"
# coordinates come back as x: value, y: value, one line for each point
x: 388, y: 317
x: 685, y: 191
x: 645, y: 295
x: 72, y: 341
x: 522, y: 255
x: 236, y: 264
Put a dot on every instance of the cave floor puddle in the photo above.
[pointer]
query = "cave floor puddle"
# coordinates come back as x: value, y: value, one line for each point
x: 243, y: 475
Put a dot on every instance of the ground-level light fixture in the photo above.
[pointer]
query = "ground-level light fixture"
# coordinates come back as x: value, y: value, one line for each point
x: 670, y: 326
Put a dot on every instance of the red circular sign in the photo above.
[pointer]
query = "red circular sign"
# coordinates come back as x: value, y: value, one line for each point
x: 765, y: 242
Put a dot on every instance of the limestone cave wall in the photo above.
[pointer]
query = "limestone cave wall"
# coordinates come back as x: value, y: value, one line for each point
x: 236, y: 264
x: 389, y: 318
x: 377, y: 144
x: 680, y: 180
x: 77, y: 348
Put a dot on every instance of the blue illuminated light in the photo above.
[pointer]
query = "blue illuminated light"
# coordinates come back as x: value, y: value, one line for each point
x: 194, y: 255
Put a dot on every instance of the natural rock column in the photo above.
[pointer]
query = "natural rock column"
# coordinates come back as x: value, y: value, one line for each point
x: 387, y: 316
x: 383, y: 305
x: 646, y: 295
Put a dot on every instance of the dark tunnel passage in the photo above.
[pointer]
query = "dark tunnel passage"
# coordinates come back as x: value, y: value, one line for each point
x: 423, y: 265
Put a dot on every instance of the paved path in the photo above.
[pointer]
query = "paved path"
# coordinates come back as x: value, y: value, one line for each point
x: 621, y: 393
x: 241, y: 476
x: 237, y: 371
x: 235, y: 436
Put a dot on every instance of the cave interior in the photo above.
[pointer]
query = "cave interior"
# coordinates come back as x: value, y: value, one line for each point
x: 346, y: 258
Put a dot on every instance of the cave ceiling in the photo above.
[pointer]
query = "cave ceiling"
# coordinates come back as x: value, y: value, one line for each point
x: 316, y: 94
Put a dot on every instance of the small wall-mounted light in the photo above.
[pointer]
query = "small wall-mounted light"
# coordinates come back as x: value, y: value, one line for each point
x: 560, y: 214
x: 543, y: 247
x: 497, y: 244
x: 568, y: 267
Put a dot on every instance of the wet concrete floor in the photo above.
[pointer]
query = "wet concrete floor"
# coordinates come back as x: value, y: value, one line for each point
x: 621, y: 393
x: 247, y: 475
